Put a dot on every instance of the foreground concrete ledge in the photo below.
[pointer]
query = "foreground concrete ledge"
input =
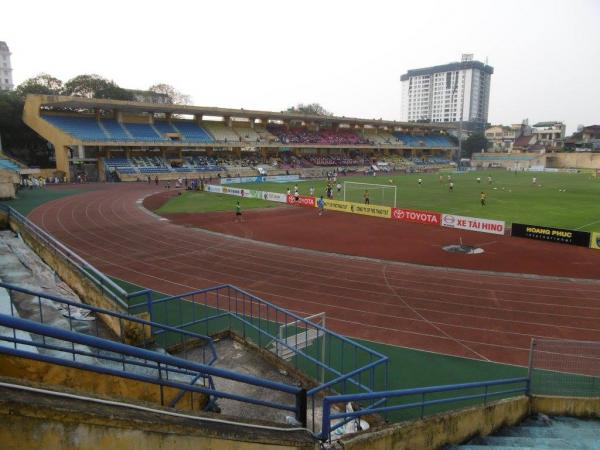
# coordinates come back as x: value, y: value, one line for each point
x: 441, y: 429
x: 34, y: 420
x: 566, y: 406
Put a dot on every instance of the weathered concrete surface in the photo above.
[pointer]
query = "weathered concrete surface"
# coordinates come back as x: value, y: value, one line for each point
x: 93, y: 383
x: 8, y: 183
x: 20, y: 266
x: 34, y: 421
x: 235, y: 356
x: 89, y: 292
x: 566, y: 406
x: 441, y: 429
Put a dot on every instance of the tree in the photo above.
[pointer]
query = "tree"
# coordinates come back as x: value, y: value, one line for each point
x: 41, y: 84
x: 114, y: 92
x: 174, y: 96
x: 18, y: 140
x: 314, y: 109
x: 95, y: 86
x: 474, y: 144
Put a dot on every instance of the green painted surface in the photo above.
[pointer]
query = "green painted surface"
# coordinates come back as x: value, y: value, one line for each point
x: 408, y: 368
x: 200, y: 202
x: 511, y: 197
x: 29, y: 199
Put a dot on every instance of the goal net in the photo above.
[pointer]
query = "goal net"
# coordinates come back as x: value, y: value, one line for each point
x: 379, y: 194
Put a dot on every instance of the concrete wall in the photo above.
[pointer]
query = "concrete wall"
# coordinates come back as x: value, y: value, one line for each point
x: 550, y: 160
x: 538, y: 160
x: 566, y: 406
x: 95, y: 384
x: 441, y: 429
x: 8, y: 180
x: 34, y: 421
x: 574, y: 160
x: 89, y: 292
x: 456, y: 427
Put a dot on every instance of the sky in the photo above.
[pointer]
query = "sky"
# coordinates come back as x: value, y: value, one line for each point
x: 346, y: 55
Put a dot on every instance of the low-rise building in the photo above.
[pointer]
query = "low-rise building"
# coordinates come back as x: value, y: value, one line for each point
x: 586, y: 139
x: 550, y: 134
x: 503, y: 137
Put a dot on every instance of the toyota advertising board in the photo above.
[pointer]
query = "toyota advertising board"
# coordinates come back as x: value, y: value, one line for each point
x: 416, y: 216
x: 473, y: 224
x: 303, y: 200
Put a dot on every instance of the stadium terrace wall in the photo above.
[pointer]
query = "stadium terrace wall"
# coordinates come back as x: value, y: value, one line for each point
x: 94, y: 383
x: 511, y: 161
x: 523, y: 161
x: 32, y: 421
x: 260, y: 179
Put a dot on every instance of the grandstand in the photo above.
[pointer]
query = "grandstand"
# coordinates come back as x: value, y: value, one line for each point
x: 7, y: 164
x: 129, y: 140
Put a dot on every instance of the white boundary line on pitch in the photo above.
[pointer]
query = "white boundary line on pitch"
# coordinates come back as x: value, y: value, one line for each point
x: 587, y: 225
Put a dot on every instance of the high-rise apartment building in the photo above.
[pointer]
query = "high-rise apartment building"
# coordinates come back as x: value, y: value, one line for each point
x: 448, y: 93
x: 6, y: 83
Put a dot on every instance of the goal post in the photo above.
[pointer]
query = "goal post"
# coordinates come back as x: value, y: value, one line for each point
x: 379, y: 194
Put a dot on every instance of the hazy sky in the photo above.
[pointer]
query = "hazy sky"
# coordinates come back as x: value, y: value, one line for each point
x: 346, y: 55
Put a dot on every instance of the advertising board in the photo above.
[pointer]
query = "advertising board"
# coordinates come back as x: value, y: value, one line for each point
x: 473, y: 224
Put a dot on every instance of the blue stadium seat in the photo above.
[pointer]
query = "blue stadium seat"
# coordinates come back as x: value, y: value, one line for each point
x: 115, y: 130
x: 84, y: 128
x: 143, y: 132
x: 7, y: 164
x: 164, y: 127
x: 192, y: 132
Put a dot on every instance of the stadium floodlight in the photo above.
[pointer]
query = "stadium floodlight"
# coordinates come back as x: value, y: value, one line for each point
x: 379, y: 194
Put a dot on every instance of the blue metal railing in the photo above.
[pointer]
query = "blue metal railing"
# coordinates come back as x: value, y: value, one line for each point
x: 165, y: 370
x: 342, y: 418
x: 334, y: 362
x: 105, y: 284
x: 172, y: 336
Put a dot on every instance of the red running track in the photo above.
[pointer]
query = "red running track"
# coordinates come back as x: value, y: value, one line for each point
x: 463, y: 313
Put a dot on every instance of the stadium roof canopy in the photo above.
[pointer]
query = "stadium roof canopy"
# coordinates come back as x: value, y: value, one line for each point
x: 55, y: 101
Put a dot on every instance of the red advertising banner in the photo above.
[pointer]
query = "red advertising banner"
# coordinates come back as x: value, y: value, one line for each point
x: 303, y: 200
x: 415, y: 216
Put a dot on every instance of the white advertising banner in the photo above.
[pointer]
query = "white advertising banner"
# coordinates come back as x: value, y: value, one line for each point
x: 274, y: 197
x: 214, y: 188
x: 473, y: 224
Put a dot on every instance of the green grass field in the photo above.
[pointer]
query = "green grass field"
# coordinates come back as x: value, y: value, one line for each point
x: 511, y: 197
x: 201, y: 202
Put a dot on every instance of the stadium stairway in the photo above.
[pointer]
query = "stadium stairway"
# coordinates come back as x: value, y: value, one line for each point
x: 541, y: 432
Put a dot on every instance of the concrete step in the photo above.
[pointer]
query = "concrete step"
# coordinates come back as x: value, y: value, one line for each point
x: 562, y: 423
x: 576, y: 424
x: 494, y: 447
x: 541, y: 443
x: 549, y: 432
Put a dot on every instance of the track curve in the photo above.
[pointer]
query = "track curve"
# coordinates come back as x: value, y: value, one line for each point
x: 455, y: 312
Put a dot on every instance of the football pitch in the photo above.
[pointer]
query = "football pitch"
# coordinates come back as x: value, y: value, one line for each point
x: 562, y: 200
